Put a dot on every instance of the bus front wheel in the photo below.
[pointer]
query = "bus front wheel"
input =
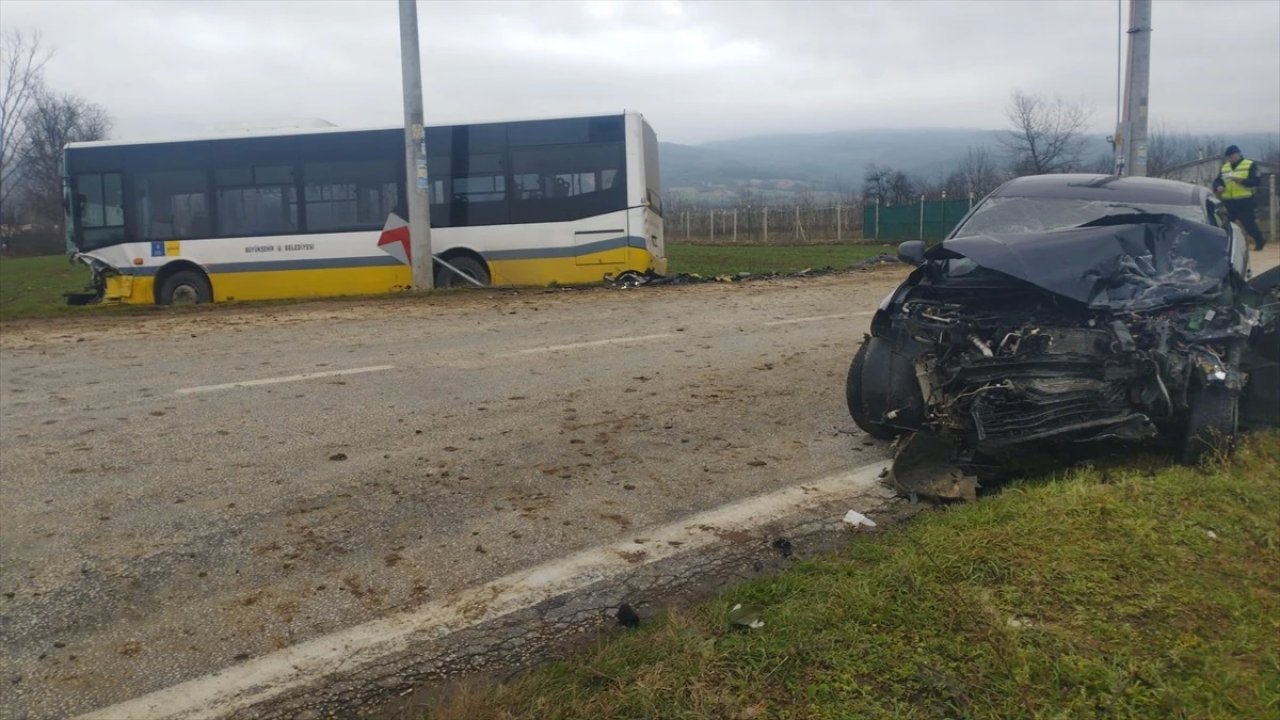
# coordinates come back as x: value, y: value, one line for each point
x: 184, y: 287
x: 446, y: 278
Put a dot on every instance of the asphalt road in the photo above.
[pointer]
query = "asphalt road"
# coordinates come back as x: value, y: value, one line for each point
x: 183, y: 491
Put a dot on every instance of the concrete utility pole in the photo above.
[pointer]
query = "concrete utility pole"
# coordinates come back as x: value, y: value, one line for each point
x: 415, y: 149
x: 1131, y: 134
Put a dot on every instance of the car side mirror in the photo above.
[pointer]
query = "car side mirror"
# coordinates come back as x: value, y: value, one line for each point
x: 911, y: 252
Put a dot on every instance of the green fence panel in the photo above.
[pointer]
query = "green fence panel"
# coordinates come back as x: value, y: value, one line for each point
x: 930, y: 221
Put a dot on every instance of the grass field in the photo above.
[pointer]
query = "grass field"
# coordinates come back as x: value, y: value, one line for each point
x: 33, y: 287
x: 1133, y: 591
x: 711, y: 260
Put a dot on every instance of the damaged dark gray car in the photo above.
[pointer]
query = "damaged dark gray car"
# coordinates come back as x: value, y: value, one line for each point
x: 1065, y: 311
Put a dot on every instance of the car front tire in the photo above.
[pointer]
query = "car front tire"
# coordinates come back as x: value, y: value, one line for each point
x: 854, y: 397
x: 1212, y: 420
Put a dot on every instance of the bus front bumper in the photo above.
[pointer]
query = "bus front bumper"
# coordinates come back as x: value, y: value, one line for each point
x: 108, y: 285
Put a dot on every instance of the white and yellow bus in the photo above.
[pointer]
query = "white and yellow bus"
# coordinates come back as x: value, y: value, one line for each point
x: 319, y: 212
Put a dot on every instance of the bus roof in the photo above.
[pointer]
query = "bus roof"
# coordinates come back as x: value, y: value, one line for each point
x: 232, y: 135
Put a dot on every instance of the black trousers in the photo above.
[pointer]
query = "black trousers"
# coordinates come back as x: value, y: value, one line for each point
x: 1241, y: 211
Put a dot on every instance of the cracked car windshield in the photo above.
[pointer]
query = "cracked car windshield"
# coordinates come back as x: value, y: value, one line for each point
x: 1018, y: 215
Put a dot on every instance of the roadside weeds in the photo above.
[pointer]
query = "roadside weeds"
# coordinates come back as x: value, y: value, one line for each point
x: 1133, y: 590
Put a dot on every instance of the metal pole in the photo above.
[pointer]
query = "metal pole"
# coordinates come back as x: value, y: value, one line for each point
x: 713, y: 224
x: 686, y: 225
x: 735, y: 224
x: 1119, y: 59
x: 415, y: 149
x: 1136, y: 89
x: 1271, y: 184
x: 877, y: 218
x: 838, y: 232
x: 766, y: 224
x: 921, y: 217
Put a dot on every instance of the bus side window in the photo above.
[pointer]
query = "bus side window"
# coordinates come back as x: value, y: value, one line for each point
x: 349, y: 194
x: 256, y: 200
x: 556, y: 183
x: 171, y: 205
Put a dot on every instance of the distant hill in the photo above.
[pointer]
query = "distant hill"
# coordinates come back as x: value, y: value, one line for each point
x: 826, y: 163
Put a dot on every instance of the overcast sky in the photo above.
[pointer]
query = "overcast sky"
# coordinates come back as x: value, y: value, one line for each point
x: 698, y: 70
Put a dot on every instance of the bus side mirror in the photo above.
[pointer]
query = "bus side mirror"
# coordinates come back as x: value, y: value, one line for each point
x: 911, y: 252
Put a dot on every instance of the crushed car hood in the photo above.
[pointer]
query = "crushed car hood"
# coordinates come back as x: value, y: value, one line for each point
x: 1128, y: 262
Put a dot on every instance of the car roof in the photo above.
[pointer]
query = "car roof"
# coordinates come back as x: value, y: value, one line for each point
x: 1104, y: 187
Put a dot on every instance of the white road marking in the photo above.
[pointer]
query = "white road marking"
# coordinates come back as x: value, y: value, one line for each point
x: 817, y: 318
x: 284, y: 379
x: 590, y: 343
x: 242, y: 686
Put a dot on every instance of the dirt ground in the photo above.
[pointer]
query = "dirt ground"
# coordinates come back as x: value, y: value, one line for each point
x: 164, y: 519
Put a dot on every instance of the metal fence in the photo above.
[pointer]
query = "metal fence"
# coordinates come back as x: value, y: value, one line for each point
x: 807, y: 224
x: 926, y: 220
x: 795, y: 225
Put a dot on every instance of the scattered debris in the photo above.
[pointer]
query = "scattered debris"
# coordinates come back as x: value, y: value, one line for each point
x: 338, y: 457
x: 783, y: 546
x: 632, y: 279
x: 924, y: 466
x: 1211, y: 534
x: 627, y: 616
x: 856, y: 519
x: 747, y: 616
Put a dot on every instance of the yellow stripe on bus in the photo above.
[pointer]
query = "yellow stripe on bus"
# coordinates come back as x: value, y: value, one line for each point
x: 284, y: 284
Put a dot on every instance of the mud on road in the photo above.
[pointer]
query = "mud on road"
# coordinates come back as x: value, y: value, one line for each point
x: 163, y: 519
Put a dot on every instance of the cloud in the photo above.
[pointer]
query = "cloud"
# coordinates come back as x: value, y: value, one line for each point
x: 698, y: 70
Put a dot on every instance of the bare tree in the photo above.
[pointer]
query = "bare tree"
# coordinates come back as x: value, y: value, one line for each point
x: 1045, y: 135
x: 875, y: 183
x: 22, y: 61
x: 1166, y: 149
x: 1271, y: 151
x: 902, y: 188
x: 889, y: 186
x: 54, y: 120
x: 978, y: 173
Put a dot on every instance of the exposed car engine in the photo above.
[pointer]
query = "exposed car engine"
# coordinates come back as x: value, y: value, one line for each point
x: 1000, y: 350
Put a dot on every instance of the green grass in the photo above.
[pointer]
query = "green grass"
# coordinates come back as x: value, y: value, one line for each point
x: 711, y: 260
x: 1094, y: 594
x: 32, y: 287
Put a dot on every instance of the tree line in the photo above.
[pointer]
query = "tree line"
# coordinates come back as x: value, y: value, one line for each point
x: 36, y: 122
x: 1045, y: 135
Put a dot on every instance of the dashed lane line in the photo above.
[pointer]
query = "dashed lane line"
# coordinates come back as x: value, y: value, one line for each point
x: 284, y: 379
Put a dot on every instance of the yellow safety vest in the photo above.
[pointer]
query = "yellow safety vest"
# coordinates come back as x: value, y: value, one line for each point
x: 1233, y: 179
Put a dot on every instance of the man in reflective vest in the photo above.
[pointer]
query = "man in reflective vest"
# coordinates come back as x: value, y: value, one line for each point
x: 1235, y: 184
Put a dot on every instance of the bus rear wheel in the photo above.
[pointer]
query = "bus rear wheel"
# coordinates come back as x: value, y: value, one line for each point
x: 446, y: 278
x: 184, y: 287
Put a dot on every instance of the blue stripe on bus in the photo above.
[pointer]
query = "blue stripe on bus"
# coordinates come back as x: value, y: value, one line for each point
x: 266, y: 265
x: 375, y: 261
x: 570, y: 251
x: 303, y: 264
